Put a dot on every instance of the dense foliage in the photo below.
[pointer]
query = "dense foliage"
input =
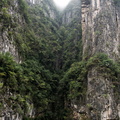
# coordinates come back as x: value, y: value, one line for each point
x: 47, y: 50
x: 52, y: 73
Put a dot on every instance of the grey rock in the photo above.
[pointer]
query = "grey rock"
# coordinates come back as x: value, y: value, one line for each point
x: 101, y: 34
x: 71, y: 12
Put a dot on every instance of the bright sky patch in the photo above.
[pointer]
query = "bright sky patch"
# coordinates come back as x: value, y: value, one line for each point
x: 61, y: 3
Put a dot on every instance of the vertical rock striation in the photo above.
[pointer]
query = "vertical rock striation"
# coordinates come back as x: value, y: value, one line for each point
x: 13, y: 23
x: 101, y: 28
x: 72, y: 12
x: 101, y: 34
x: 11, y: 15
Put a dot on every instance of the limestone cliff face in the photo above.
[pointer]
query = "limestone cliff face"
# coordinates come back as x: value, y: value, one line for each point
x: 17, y: 22
x: 72, y: 12
x: 7, y: 40
x: 11, y: 22
x: 101, y: 34
x: 101, y: 28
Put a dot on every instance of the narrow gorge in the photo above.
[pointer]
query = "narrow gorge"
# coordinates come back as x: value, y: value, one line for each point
x: 59, y: 65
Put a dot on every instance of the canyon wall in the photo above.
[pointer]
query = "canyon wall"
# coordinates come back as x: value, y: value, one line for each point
x: 72, y: 12
x: 16, y: 21
x: 13, y: 17
x: 13, y: 26
x: 101, y: 28
x: 101, y: 34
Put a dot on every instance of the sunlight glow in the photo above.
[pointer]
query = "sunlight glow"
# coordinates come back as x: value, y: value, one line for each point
x: 61, y: 3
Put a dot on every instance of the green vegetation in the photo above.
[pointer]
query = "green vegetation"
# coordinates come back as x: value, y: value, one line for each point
x: 28, y: 82
x: 47, y: 50
x: 11, y: 77
x: 74, y: 81
x: 107, y: 69
x: 52, y: 73
x: 23, y: 9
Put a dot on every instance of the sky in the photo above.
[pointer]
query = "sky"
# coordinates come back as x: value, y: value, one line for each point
x: 61, y: 3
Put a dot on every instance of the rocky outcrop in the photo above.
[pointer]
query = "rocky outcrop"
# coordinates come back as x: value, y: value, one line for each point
x: 101, y: 29
x: 17, y: 22
x: 100, y: 97
x: 6, y: 45
x: 11, y: 22
x: 6, y: 37
x: 101, y: 34
x: 12, y: 28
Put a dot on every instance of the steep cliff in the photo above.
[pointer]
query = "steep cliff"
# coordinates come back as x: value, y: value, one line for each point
x: 31, y: 89
x: 61, y: 75
x: 72, y: 12
x: 15, y: 14
x: 16, y: 37
x: 103, y: 20
x: 11, y: 16
x: 101, y: 34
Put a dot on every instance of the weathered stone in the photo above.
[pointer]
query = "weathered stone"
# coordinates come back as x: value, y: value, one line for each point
x: 101, y: 28
x: 7, y: 42
x: 101, y: 34
x: 71, y: 12
x: 100, y: 96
